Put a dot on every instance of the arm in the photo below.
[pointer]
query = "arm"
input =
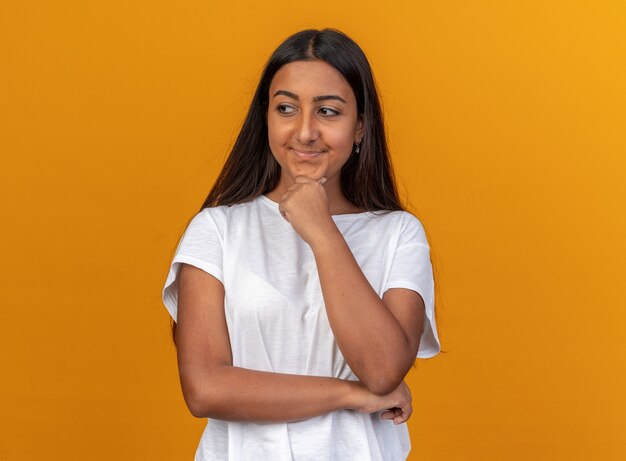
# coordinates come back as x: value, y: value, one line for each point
x: 213, y: 388
x: 379, y: 338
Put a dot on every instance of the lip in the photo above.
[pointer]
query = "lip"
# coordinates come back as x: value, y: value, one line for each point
x: 307, y: 153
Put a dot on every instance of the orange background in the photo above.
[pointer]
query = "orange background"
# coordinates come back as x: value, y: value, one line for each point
x: 507, y: 124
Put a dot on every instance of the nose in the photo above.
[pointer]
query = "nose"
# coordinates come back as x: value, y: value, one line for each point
x: 307, y: 130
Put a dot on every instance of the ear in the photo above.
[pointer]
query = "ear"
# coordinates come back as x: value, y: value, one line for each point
x: 360, y: 130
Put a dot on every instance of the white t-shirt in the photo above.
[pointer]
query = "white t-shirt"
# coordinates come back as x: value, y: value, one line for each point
x: 277, y: 321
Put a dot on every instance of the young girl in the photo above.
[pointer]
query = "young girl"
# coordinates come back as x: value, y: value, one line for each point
x: 302, y: 291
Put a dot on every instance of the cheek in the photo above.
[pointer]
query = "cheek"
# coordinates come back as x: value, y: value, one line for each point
x: 276, y: 133
x: 342, y: 139
x: 277, y: 139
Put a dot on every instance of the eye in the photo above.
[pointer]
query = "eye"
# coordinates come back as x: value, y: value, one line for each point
x: 285, y: 109
x: 328, y: 112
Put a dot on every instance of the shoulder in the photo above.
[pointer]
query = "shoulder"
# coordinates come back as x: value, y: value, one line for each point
x: 232, y: 211
x: 411, y: 222
x: 405, y: 226
x: 398, y: 219
x: 233, y: 216
x: 388, y: 226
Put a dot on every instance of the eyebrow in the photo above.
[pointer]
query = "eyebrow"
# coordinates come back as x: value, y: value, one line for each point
x: 324, y: 97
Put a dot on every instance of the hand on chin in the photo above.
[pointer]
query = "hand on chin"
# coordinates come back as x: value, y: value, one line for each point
x: 312, y: 169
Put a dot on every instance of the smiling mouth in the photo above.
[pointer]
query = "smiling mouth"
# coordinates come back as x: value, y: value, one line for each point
x: 307, y: 153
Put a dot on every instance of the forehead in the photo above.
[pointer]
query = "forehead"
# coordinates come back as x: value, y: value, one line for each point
x: 311, y: 78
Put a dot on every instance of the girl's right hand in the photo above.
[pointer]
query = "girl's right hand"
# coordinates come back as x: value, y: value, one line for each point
x: 395, y: 406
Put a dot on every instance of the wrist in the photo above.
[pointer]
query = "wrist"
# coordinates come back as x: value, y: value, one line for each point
x: 354, y: 396
x: 327, y: 240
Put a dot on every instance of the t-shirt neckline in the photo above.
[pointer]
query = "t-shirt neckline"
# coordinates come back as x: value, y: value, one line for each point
x: 274, y: 205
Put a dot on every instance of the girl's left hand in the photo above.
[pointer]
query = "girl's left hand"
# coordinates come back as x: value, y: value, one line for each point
x: 396, y: 406
x: 305, y: 207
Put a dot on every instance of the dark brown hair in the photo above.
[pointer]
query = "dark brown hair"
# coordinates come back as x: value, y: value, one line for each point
x: 251, y: 170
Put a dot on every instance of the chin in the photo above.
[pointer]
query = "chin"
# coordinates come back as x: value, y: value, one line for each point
x: 310, y: 172
x: 310, y: 169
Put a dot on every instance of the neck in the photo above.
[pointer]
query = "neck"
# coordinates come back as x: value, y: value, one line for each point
x: 337, y: 203
x: 345, y: 208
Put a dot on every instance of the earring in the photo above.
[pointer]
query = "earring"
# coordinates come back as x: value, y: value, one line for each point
x: 357, y: 148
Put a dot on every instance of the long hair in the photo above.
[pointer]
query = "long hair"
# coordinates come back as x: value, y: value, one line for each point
x: 367, y: 179
x: 250, y: 170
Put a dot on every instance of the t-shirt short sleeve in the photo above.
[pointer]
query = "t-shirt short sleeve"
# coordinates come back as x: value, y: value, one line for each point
x: 200, y: 246
x: 411, y: 268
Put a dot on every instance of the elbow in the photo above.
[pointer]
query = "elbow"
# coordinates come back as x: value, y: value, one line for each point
x: 208, y: 394
x: 201, y: 397
x: 385, y: 379
x: 205, y: 393
x: 198, y: 411
x: 197, y: 404
x: 383, y: 383
x: 204, y: 406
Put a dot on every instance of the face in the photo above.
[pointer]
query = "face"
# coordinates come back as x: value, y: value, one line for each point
x: 312, y: 121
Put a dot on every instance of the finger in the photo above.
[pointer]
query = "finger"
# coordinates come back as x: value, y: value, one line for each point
x: 391, y: 413
x: 404, y: 414
x: 323, y: 180
x: 399, y: 419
